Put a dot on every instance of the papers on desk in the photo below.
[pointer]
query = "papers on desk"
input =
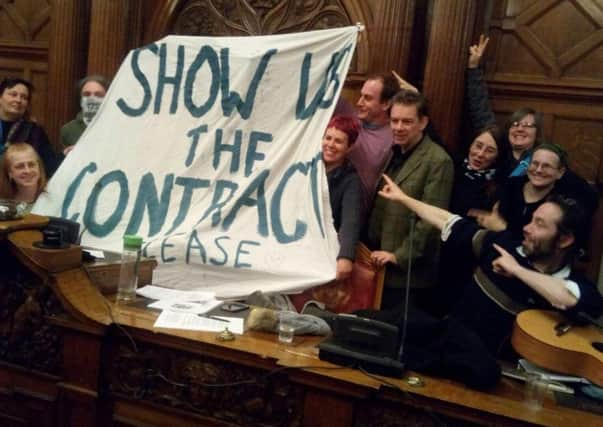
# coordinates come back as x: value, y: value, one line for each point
x: 159, y: 293
x: 200, y: 307
x: 193, y: 322
x: 186, y: 310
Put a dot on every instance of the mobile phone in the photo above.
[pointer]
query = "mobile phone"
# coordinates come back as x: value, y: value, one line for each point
x: 234, y: 307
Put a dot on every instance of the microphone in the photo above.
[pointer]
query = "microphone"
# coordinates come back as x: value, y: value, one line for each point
x: 413, y: 221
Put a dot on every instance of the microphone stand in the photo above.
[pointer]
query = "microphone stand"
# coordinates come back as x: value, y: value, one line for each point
x: 413, y: 221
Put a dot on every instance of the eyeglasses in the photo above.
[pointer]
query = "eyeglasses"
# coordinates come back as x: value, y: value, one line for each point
x: 545, y: 167
x: 526, y: 125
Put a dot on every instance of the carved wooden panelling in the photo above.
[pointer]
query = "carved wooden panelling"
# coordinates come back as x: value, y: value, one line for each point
x: 26, y: 337
x: 257, y: 17
x: 549, y: 41
x: 24, y: 20
x: 24, y: 37
x: 222, y: 391
x: 584, y: 141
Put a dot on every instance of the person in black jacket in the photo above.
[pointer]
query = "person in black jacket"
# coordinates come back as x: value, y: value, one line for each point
x: 345, y: 192
x: 15, y: 94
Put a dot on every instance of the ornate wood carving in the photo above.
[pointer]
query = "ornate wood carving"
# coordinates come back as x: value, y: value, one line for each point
x: 216, y: 389
x: 387, y: 22
x: 257, y: 17
x: 26, y: 336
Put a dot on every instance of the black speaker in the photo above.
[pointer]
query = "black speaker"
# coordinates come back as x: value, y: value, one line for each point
x: 68, y: 229
x: 363, y: 343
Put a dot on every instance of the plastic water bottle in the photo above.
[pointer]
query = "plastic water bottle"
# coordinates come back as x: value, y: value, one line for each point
x: 128, y: 274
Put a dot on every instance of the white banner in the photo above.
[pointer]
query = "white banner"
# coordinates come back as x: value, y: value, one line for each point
x: 209, y: 148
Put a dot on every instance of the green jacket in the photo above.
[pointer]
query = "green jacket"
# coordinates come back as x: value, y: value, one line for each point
x: 72, y: 130
x: 426, y: 175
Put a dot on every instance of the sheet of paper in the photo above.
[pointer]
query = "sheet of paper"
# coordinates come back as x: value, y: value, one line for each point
x: 193, y: 322
x: 98, y: 254
x: 551, y: 376
x: 186, y: 306
x: 159, y: 293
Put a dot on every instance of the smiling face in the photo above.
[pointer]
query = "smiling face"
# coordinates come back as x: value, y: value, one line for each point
x: 370, y: 107
x: 544, y: 169
x: 541, y: 235
x: 522, y: 134
x: 482, y: 152
x: 335, y: 147
x: 24, y: 168
x: 14, y: 102
x: 407, y: 126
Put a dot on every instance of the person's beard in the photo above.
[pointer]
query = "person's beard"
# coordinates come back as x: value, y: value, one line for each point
x: 542, y: 250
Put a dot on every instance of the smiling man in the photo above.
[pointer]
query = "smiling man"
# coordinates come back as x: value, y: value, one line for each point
x: 425, y: 171
x: 373, y: 145
x: 510, y: 275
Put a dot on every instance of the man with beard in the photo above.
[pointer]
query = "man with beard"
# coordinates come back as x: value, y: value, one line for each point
x: 512, y: 276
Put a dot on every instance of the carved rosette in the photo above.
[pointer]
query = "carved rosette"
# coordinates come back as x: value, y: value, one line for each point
x: 208, y: 387
x: 258, y: 17
x: 26, y: 337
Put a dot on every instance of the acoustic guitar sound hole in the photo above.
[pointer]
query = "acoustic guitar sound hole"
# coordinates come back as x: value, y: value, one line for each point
x: 598, y: 346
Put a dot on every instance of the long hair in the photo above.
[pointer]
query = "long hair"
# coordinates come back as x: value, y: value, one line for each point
x: 8, y: 188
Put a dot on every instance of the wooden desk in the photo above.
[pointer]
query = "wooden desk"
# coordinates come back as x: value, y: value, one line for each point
x: 71, y: 357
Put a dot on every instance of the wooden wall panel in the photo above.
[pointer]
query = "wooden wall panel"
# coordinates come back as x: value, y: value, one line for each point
x: 548, y: 54
x: 24, y: 36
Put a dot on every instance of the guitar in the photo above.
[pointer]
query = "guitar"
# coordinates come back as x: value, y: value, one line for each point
x: 579, y: 351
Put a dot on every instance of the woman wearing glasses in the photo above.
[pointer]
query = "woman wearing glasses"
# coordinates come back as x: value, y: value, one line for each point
x: 547, y: 174
x: 524, y: 128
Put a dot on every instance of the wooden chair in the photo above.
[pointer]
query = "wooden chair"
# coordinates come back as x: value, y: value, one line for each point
x: 362, y: 290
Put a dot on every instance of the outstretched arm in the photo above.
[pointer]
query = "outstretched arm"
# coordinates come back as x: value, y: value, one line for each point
x: 433, y: 215
x: 551, y: 288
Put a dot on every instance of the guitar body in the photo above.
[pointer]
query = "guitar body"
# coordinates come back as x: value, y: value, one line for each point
x: 535, y: 339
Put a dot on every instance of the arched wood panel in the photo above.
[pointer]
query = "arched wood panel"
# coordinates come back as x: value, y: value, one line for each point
x: 386, y: 22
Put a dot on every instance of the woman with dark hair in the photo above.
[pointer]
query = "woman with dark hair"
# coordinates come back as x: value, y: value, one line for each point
x: 22, y: 176
x: 345, y: 192
x: 523, y: 130
x: 478, y: 175
x: 15, y: 95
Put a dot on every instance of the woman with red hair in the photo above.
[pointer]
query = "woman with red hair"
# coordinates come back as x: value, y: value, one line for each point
x: 344, y: 188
